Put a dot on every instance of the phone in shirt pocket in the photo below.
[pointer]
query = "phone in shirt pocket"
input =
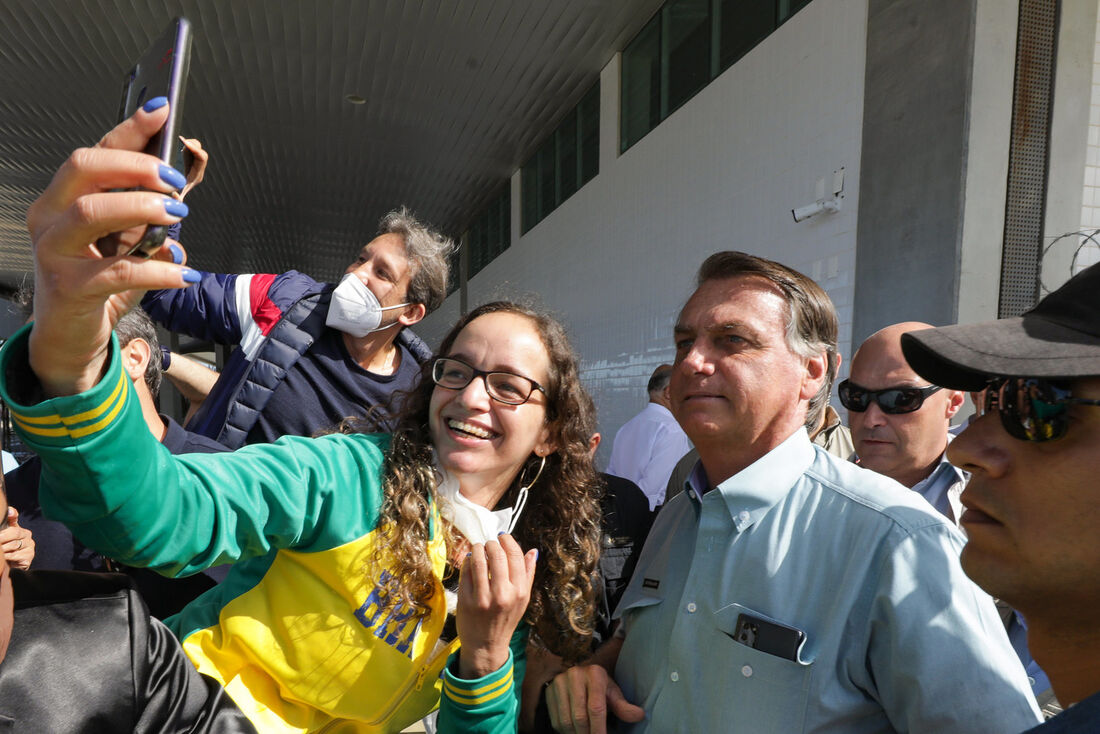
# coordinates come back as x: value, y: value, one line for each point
x: 769, y: 637
x: 761, y: 665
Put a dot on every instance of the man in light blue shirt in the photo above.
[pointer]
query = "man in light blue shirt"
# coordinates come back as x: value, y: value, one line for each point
x: 900, y: 428
x: 786, y: 590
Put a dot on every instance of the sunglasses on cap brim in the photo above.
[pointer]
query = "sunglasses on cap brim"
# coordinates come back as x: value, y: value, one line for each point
x: 893, y: 400
x: 1031, y: 408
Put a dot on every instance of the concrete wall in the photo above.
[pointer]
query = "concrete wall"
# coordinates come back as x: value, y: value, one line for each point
x: 617, y: 260
x: 1070, y: 140
x: 989, y: 130
x: 914, y: 149
x: 1090, y: 206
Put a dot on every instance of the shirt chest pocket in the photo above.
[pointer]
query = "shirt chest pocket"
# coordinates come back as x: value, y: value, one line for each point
x: 761, y: 679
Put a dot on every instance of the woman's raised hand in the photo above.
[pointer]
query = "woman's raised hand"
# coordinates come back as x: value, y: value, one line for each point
x: 79, y: 294
x: 493, y: 591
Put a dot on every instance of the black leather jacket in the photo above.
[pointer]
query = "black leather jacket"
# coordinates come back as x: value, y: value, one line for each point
x: 86, y: 657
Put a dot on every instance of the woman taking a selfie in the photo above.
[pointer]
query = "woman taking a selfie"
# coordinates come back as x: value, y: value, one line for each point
x: 353, y: 553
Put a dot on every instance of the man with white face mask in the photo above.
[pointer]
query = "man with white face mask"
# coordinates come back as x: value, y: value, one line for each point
x: 312, y: 354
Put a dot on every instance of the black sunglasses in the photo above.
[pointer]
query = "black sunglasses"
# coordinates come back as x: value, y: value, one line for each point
x: 504, y: 387
x: 1031, y: 408
x: 893, y: 400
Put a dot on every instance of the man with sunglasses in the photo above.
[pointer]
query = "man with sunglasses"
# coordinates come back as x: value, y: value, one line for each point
x: 1033, y: 500
x: 900, y: 426
x: 899, y: 422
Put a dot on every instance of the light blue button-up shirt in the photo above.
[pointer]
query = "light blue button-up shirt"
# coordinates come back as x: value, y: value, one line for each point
x: 897, y: 638
x: 943, y: 488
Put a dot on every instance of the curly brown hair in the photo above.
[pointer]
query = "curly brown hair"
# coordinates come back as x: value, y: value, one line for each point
x: 562, y: 515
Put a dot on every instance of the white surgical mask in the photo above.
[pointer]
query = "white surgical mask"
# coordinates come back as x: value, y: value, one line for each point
x: 354, y: 309
x: 478, y: 524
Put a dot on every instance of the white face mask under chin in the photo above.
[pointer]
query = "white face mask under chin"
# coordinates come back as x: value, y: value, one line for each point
x: 355, y: 309
x: 478, y: 524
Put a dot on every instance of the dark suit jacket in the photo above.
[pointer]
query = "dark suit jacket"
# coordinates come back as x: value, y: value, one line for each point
x: 86, y: 657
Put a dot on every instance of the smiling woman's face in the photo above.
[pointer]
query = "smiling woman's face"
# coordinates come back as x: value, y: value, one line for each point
x: 481, y: 441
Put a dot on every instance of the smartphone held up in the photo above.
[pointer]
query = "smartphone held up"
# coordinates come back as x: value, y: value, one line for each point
x: 160, y: 72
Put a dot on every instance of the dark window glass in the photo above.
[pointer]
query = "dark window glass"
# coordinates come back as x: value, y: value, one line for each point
x: 477, y: 247
x: 744, y: 24
x: 529, y: 195
x: 588, y: 112
x: 687, y: 49
x: 568, y: 170
x: 682, y: 48
x: 547, y: 183
x: 568, y: 158
x: 641, y: 84
x: 504, y: 212
x: 787, y: 8
x: 490, y: 233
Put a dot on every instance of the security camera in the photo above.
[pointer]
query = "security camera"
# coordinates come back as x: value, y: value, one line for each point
x: 803, y: 213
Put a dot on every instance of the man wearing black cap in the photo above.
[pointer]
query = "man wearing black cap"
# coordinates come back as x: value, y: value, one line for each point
x: 1033, y: 501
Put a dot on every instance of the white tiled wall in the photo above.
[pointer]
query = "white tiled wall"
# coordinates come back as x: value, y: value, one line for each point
x: 617, y: 260
x: 1090, y: 207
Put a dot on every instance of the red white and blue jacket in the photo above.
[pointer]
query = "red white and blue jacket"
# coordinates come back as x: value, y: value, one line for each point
x: 274, y: 318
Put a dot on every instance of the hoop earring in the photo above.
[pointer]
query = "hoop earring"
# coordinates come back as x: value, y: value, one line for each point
x: 523, y: 475
x: 521, y: 496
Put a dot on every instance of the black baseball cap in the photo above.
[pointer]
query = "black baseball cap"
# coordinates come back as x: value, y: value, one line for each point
x: 1058, y: 339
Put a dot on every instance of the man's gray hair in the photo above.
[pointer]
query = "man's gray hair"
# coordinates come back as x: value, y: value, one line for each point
x: 427, y: 250
x: 136, y: 324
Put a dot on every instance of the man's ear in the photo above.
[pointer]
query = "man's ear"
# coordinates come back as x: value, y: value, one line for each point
x: 135, y: 358
x: 412, y: 313
x: 955, y: 400
x: 816, y: 373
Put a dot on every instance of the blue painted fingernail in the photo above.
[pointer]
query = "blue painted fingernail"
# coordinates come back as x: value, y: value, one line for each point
x: 177, y: 253
x: 500, y: 533
x: 175, y: 208
x: 154, y: 104
x: 191, y: 276
x: 469, y: 554
x: 536, y: 554
x: 172, y: 177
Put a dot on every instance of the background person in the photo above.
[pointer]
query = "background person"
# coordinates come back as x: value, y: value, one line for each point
x: 79, y: 653
x: 326, y: 351
x: 624, y: 525
x: 17, y: 542
x: 58, y: 549
x: 900, y: 423
x: 648, y: 445
x: 1033, y: 503
x: 193, y: 379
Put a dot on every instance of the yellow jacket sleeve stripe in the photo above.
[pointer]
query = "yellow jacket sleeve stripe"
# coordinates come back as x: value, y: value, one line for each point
x: 56, y: 425
x: 480, y: 695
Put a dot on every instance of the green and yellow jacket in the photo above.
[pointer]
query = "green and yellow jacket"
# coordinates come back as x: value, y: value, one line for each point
x: 299, y: 633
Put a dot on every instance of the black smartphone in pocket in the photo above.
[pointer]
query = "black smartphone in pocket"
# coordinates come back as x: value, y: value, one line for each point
x: 160, y: 72
x: 772, y: 638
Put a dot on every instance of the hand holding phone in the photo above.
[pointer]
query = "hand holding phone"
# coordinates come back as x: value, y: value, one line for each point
x: 160, y: 72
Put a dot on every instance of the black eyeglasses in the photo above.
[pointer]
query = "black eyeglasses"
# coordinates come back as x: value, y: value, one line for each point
x: 1031, y: 408
x: 504, y: 387
x: 893, y: 400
